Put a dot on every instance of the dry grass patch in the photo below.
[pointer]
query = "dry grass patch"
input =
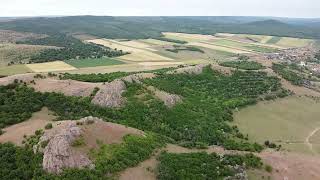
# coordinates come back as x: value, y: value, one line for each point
x: 144, y: 56
x: 51, y: 66
x: 293, y: 42
x: 16, y: 132
x: 188, y: 37
x: 287, y: 121
x: 18, y: 53
x: 156, y: 42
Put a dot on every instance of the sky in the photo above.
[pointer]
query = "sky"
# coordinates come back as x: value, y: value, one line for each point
x: 277, y: 8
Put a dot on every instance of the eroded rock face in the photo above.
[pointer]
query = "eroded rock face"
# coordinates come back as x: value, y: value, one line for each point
x: 59, y: 154
x: 169, y: 99
x: 136, y: 78
x: 197, y: 69
x: 110, y: 95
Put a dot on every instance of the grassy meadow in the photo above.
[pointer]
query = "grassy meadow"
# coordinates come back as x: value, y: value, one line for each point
x: 286, y: 121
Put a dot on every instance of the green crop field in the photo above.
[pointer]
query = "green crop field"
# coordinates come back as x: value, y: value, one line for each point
x: 105, y: 61
x: 14, y: 69
x: 243, y: 46
x: 274, y: 40
x: 287, y: 121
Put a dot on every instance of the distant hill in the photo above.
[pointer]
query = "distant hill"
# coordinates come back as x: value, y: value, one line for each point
x: 145, y: 27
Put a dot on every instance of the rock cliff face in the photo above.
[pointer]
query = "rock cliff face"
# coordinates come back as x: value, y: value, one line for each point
x: 169, y: 99
x: 110, y: 95
x: 59, y: 153
x: 197, y: 69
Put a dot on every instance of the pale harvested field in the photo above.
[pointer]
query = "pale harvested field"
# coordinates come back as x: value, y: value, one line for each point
x: 134, y: 43
x: 159, y: 63
x: 293, y: 42
x: 188, y: 37
x: 137, y: 54
x: 259, y: 38
x: 115, y: 45
x: 156, y: 42
x: 219, y: 48
x: 133, y: 67
x: 16, y: 132
x: 289, y: 122
x: 50, y: 66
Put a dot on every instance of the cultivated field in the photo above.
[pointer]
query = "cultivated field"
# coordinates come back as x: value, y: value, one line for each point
x: 188, y: 37
x: 50, y: 66
x: 291, y: 122
x: 83, y: 63
x: 14, y: 69
x: 218, y: 48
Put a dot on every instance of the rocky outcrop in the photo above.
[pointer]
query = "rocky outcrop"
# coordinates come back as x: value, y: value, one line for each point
x: 197, y: 69
x: 110, y: 95
x: 169, y: 99
x: 58, y: 153
x: 136, y: 78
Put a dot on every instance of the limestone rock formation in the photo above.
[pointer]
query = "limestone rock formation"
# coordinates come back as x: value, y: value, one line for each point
x: 169, y: 99
x: 59, y: 153
x: 138, y: 77
x: 110, y: 95
x: 197, y: 69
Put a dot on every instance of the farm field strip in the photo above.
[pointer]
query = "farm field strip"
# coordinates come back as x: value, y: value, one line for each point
x: 188, y: 37
x: 50, y: 66
x: 156, y: 42
x: 137, y: 54
x: 104, y: 61
x: 219, y: 48
x: 293, y: 42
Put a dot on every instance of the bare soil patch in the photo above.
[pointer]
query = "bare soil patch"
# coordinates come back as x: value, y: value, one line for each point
x: 16, y: 132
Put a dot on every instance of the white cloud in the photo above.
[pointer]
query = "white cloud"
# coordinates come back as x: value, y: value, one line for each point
x: 287, y: 8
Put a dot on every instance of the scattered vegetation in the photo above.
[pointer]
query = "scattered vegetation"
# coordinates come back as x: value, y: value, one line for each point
x: 246, y: 65
x: 171, y: 40
x: 284, y: 71
x: 184, y: 48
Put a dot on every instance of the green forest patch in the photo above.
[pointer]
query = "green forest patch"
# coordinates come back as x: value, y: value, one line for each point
x: 93, y: 62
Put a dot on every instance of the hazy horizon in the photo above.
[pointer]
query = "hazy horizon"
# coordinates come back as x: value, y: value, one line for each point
x: 262, y: 8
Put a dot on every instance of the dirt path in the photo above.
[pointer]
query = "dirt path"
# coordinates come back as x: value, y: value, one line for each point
x: 307, y: 141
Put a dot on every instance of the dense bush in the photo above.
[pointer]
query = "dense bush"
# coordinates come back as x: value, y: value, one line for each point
x: 202, y: 165
x: 108, y: 77
x: 17, y: 103
x: 18, y: 163
x: 246, y: 65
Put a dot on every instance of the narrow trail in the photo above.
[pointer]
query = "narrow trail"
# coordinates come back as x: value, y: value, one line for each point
x: 307, y: 141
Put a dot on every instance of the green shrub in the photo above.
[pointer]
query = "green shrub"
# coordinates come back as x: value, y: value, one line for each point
x: 268, y: 168
x: 48, y: 126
